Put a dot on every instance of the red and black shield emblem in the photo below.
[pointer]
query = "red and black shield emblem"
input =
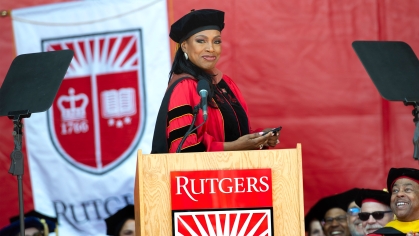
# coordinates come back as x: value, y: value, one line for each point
x: 97, y: 117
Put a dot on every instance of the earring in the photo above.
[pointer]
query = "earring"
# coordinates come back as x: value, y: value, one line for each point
x: 186, y: 55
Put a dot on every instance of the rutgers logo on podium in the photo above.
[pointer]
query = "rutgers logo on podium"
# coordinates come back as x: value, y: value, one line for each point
x: 222, y: 202
x: 97, y: 117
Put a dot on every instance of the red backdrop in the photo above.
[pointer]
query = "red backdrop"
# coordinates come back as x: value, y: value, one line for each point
x: 294, y: 63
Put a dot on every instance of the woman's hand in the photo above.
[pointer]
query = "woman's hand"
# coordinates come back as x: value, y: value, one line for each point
x: 273, y: 140
x: 249, y: 142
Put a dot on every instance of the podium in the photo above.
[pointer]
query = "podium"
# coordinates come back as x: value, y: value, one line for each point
x: 152, y: 191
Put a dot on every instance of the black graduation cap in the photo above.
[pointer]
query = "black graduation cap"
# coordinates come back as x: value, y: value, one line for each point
x: 33, y: 219
x: 395, y: 173
x: 342, y: 200
x: 14, y: 228
x: 50, y: 222
x: 115, y: 222
x: 196, y: 21
x: 35, y: 214
x: 377, y: 195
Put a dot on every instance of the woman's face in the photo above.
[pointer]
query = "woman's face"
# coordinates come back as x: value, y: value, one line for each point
x: 203, y: 48
x: 315, y: 228
x: 32, y: 232
x: 128, y: 228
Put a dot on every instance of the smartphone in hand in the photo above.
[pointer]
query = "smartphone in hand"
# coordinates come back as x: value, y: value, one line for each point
x: 273, y: 130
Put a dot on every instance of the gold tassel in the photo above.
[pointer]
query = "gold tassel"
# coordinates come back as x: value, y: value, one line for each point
x: 394, y: 216
x: 46, y: 229
x: 4, y: 13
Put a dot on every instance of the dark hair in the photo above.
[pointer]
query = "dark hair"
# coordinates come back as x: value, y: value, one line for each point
x: 181, y: 65
x: 118, y: 228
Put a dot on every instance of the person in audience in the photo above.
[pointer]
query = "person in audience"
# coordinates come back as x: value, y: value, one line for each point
x: 36, y: 224
x: 403, y: 184
x: 332, y: 211
x: 122, y: 223
x: 312, y: 219
x: 315, y: 228
x: 354, y: 223
x: 227, y: 125
x: 375, y: 209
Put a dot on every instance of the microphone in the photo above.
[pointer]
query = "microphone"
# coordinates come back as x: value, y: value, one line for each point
x: 202, y: 89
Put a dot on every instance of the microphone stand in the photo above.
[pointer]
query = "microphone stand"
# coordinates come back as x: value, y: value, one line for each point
x: 16, y: 165
x: 190, y: 130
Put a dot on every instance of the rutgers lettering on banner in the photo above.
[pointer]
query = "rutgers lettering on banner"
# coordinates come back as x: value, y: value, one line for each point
x: 222, y: 202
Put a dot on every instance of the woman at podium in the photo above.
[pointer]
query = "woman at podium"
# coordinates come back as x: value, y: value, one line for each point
x: 182, y: 115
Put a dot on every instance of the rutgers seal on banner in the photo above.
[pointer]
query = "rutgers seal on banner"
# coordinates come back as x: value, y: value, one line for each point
x: 97, y: 117
x: 222, y: 202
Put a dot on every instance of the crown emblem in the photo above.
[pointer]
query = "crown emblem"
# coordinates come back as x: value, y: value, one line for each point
x: 73, y: 107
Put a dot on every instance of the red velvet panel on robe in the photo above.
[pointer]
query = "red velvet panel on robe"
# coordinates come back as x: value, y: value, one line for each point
x: 211, y: 134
